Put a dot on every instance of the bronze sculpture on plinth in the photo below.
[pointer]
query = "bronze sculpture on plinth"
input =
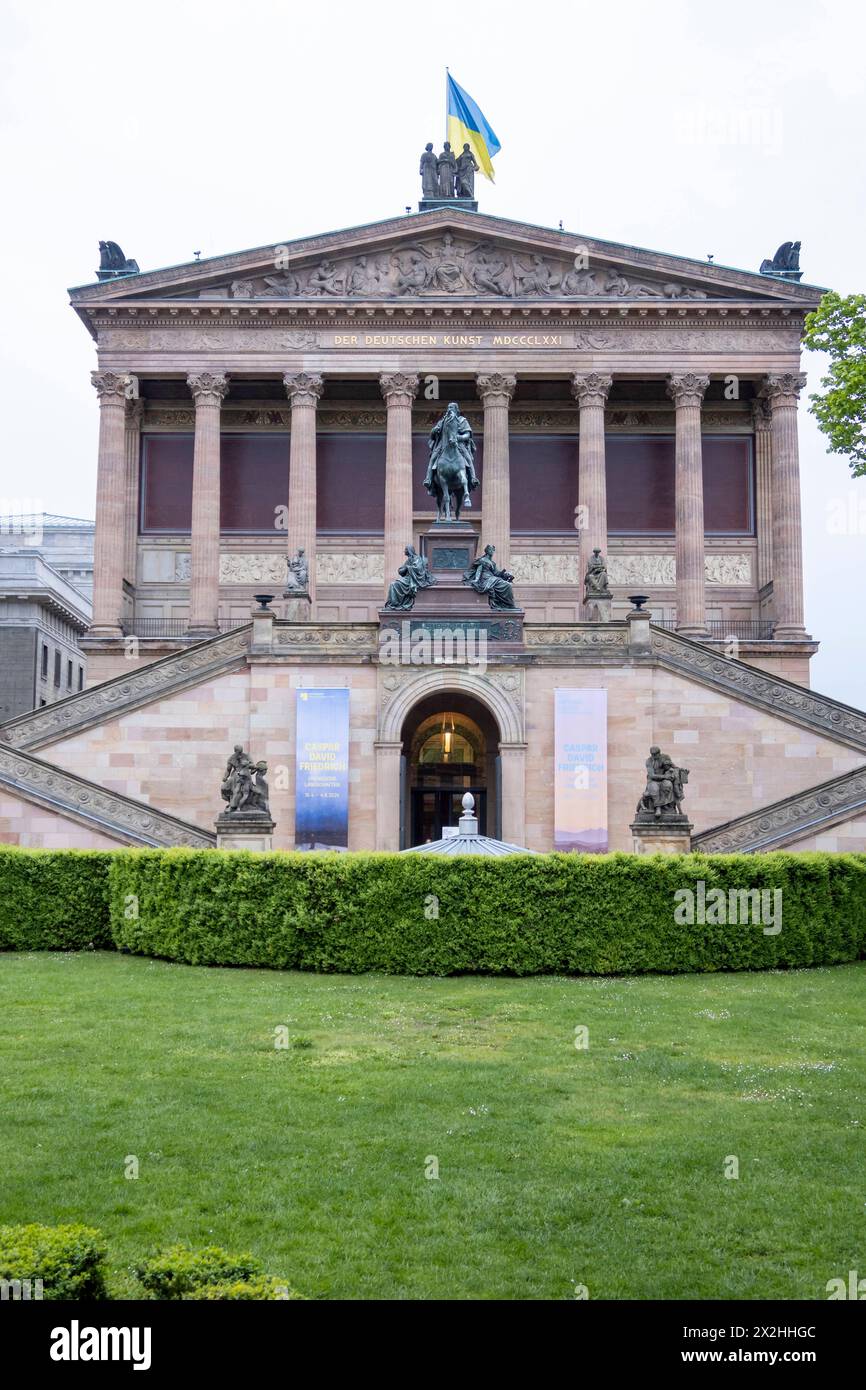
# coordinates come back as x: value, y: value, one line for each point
x: 413, y: 575
x: 486, y: 578
x: 451, y: 475
x: 663, y: 796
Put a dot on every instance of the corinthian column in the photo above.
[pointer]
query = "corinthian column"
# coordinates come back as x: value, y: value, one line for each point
x: 763, y: 426
x: 496, y: 391
x: 134, y: 416
x: 782, y: 393
x: 399, y: 391
x: 687, y: 392
x: 208, y: 390
x: 591, y: 392
x: 303, y: 390
x: 110, y: 533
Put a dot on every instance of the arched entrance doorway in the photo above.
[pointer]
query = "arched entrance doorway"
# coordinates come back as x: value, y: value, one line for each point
x: 450, y: 747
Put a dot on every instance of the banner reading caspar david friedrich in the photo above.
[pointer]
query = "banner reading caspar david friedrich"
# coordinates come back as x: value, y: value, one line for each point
x: 322, y: 769
x: 580, y: 771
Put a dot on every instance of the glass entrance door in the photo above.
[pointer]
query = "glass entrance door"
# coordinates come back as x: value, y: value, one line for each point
x: 433, y: 808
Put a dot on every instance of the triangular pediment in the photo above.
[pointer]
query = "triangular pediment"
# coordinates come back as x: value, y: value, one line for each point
x: 447, y: 256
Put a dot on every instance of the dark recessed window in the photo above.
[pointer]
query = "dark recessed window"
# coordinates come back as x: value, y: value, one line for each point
x: 44, y: 662
x: 57, y: 669
x: 69, y: 675
x: 81, y: 678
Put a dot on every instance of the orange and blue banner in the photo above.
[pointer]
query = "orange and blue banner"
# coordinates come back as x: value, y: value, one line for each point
x: 466, y: 124
x: 580, y: 771
x: 322, y: 769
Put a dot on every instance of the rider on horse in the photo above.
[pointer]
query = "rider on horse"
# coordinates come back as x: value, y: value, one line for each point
x: 451, y: 469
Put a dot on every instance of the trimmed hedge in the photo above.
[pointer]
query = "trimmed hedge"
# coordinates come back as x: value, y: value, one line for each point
x: 425, y: 915
x: 179, y: 1272
x: 68, y: 1259
x: 54, y: 900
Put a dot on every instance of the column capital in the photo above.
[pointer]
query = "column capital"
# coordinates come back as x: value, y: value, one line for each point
x: 398, y: 388
x: 303, y: 388
x: 494, y: 386
x: 762, y: 420
x: 111, y: 388
x: 686, y: 388
x: 782, y: 388
x: 208, y: 388
x: 591, y: 388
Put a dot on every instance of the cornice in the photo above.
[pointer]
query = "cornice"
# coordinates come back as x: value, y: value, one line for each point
x: 503, y: 230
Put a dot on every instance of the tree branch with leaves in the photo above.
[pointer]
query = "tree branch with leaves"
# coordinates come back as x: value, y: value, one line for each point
x: 838, y: 327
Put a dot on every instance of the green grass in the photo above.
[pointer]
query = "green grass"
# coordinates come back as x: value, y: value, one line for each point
x: 601, y: 1167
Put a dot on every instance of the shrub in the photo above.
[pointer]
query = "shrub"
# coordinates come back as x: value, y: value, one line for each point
x: 424, y: 915
x: 68, y: 1260
x: 262, y: 1288
x: 53, y: 900
x: 180, y: 1272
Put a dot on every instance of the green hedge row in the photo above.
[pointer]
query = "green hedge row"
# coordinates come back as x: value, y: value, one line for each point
x: 54, y: 899
x: 67, y: 1261
x: 423, y: 915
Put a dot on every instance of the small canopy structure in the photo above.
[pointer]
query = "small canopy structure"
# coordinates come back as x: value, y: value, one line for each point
x: 467, y: 840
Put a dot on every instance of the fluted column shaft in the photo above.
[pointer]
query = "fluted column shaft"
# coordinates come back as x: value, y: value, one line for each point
x: 496, y: 392
x: 782, y: 392
x: 591, y: 392
x: 208, y: 391
x: 110, y: 531
x: 399, y: 390
x: 303, y: 390
x: 687, y: 392
x: 763, y: 426
x: 134, y: 416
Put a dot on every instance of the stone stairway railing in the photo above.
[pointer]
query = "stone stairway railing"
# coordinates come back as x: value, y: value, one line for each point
x: 780, y: 823
x: 152, y: 681
x: 762, y: 690
x: 119, y: 817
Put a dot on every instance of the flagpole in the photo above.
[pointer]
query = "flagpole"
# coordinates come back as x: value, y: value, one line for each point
x: 446, y: 100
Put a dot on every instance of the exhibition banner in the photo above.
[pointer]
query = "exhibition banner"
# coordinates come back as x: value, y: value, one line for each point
x: 322, y: 769
x: 580, y: 771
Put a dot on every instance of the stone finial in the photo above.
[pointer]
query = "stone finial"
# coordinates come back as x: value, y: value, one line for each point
x: 468, y: 823
x: 303, y: 388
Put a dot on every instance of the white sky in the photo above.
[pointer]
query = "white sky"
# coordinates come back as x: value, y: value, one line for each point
x: 176, y: 127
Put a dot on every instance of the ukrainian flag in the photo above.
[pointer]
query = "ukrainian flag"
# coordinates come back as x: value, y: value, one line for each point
x: 467, y: 126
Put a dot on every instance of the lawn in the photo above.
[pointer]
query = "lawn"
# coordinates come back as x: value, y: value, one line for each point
x: 602, y: 1167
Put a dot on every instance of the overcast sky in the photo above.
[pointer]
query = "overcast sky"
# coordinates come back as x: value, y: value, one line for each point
x: 175, y: 128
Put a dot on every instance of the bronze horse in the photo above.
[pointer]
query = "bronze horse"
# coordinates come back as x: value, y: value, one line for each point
x: 451, y: 475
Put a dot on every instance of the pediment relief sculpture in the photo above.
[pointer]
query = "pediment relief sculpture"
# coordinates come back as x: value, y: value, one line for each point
x: 447, y: 265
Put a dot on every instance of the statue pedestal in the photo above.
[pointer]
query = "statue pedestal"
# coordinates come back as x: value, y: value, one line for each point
x: 295, y: 607
x: 245, y: 830
x: 597, y: 608
x: 467, y: 204
x: 449, y: 547
x: 651, y: 836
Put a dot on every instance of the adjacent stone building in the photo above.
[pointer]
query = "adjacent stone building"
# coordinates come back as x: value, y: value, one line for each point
x: 46, y: 579
x: 280, y: 399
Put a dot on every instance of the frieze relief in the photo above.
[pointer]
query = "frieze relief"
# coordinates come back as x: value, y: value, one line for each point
x: 347, y: 567
x: 445, y: 265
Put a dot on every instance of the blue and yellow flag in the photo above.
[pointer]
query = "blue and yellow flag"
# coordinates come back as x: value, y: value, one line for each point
x: 467, y: 126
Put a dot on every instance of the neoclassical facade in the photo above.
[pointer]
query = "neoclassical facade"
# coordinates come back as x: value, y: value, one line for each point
x: 280, y: 399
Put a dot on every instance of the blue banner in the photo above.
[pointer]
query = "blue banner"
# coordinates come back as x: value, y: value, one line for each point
x: 322, y: 769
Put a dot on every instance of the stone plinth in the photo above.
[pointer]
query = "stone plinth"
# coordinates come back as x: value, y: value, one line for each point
x: 598, y: 608
x: 651, y: 836
x: 295, y: 608
x: 466, y: 204
x: 429, y: 622
x: 240, y: 830
x: 449, y: 547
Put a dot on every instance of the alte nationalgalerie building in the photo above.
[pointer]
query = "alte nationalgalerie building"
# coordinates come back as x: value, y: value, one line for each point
x: 280, y: 399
